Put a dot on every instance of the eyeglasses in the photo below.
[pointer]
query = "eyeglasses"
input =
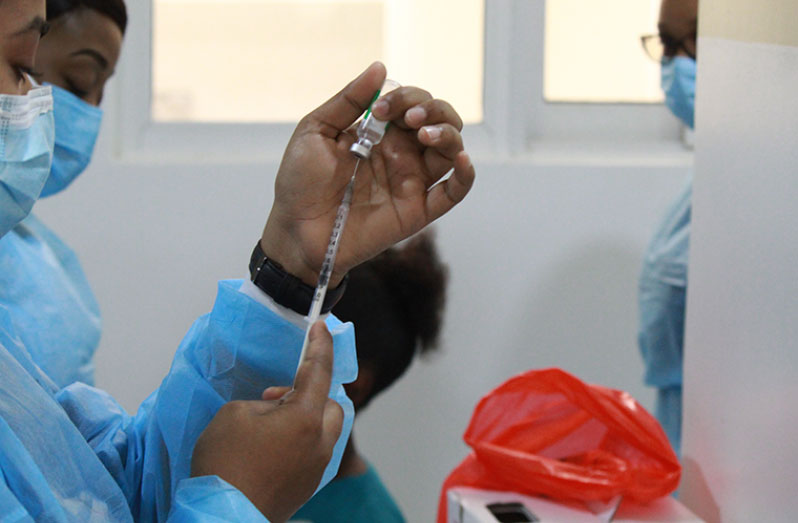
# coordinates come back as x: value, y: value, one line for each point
x: 659, y: 46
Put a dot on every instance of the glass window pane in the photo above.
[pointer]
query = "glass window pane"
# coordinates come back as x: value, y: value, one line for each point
x: 275, y: 60
x: 593, y: 51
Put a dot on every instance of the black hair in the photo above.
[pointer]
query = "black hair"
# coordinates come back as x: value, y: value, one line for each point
x: 396, y: 302
x: 113, y: 9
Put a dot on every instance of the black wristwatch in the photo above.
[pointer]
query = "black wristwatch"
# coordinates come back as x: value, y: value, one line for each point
x: 286, y: 289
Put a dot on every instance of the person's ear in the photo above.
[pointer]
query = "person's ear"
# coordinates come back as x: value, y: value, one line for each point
x: 360, y: 389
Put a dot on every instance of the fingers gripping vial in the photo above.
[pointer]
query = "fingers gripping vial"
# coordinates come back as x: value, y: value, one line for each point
x: 370, y: 132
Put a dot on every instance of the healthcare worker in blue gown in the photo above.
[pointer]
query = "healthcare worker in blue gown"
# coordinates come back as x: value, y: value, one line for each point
x: 663, y: 280
x: 72, y: 454
x: 41, y: 280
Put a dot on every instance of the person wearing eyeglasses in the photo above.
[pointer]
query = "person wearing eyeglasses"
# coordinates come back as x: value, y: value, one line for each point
x: 663, y: 280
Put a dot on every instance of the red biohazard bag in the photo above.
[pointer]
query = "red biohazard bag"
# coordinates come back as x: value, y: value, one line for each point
x: 547, y: 433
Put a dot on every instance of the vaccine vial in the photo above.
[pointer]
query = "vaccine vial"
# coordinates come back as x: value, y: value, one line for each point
x: 371, y: 130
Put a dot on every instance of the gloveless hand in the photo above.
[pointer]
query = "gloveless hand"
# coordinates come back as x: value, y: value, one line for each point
x: 275, y: 451
x: 397, y: 191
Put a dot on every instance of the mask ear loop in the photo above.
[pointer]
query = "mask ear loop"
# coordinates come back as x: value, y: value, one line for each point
x: 33, y: 83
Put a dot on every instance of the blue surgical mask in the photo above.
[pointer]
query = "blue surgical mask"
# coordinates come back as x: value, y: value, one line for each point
x: 678, y: 82
x: 77, y: 125
x: 26, y: 151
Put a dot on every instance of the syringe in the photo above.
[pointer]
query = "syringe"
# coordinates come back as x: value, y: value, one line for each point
x: 329, y: 260
x: 370, y: 132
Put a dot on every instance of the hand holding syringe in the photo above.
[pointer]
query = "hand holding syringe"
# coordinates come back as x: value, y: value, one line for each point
x: 370, y: 132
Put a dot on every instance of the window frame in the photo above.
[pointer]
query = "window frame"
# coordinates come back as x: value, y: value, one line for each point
x: 513, y: 78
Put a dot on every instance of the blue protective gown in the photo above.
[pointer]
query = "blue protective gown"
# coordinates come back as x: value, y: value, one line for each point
x: 73, y: 454
x: 662, y: 298
x: 43, y: 284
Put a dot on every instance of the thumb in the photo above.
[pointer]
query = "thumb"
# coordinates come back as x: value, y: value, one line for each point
x: 314, y: 376
x: 342, y: 110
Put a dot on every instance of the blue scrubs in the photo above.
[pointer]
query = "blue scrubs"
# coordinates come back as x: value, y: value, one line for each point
x: 42, y: 284
x: 662, y: 299
x: 356, y: 499
x: 73, y: 454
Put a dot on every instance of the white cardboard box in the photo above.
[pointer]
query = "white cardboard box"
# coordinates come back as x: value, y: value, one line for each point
x: 469, y: 505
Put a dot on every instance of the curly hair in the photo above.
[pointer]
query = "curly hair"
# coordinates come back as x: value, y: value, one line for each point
x: 113, y: 9
x: 396, y: 302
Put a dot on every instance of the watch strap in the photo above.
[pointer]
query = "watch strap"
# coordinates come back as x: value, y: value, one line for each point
x: 286, y: 289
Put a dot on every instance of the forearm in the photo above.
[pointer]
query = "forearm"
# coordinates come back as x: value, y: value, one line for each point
x: 235, y: 352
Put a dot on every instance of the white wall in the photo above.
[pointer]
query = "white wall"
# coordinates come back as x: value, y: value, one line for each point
x: 544, y: 259
x: 544, y: 253
x: 740, y: 442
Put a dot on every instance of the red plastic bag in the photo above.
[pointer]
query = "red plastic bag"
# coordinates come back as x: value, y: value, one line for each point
x: 547, y: 433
